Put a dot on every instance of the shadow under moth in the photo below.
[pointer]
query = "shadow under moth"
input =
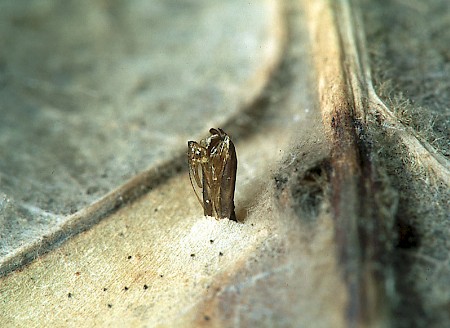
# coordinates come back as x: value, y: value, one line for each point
x: 212, y: 168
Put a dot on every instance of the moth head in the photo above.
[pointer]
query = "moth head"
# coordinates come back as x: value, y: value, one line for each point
x: 196, y: 152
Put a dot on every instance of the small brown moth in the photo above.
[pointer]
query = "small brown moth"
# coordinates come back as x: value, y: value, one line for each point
x: 212, y: 168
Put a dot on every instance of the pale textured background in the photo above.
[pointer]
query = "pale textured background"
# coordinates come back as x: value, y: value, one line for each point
x: 95, y: 93
x: 408, y: 43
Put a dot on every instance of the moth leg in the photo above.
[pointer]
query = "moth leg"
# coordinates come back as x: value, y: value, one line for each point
x: 193, y: 172
x: 196, y: 156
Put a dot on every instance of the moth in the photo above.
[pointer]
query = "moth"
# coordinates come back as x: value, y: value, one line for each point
x: 212, y: 168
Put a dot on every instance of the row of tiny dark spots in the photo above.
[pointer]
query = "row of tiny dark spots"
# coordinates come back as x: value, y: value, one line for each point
x: 146, y: 286
x: 220, y: 254
x: 69, y: 295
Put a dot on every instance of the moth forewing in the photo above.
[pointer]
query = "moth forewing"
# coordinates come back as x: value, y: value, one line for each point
x: 228, y: 183
x: 208, y: 202
x: 216, y: 156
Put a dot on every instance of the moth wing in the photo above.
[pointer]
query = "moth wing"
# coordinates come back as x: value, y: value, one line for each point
x: 208, y: 200
x: 223, y: 169
x: 227, y: 184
